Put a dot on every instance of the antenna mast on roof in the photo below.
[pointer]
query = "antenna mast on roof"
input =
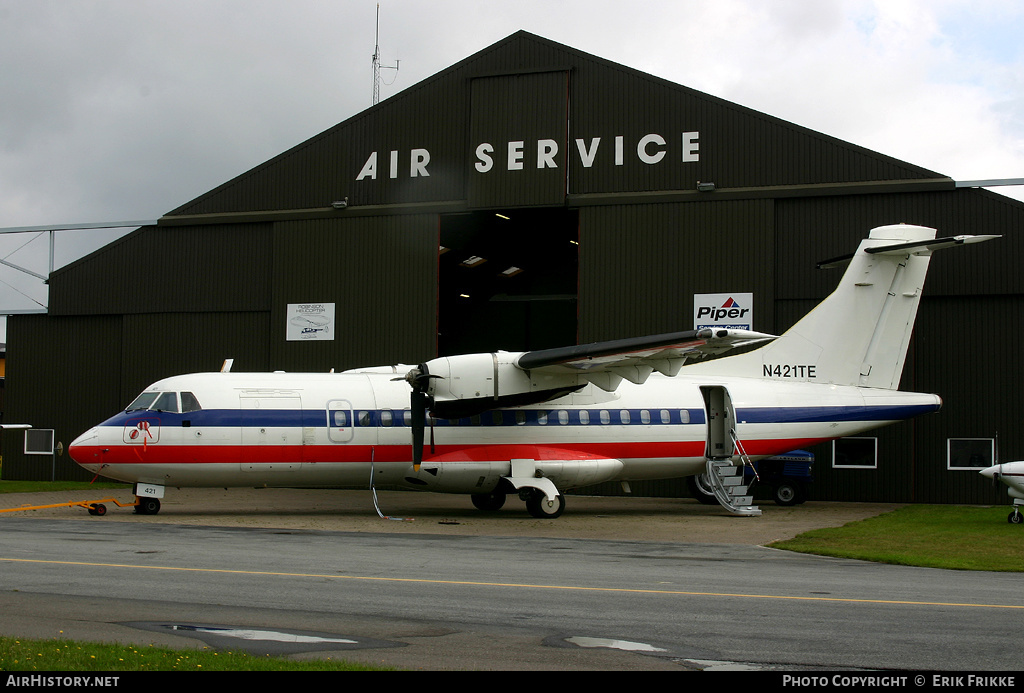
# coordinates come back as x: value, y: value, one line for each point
x: 376, y: 61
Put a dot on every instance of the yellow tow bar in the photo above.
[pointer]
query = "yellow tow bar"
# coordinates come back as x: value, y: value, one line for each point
x: 95, y: 507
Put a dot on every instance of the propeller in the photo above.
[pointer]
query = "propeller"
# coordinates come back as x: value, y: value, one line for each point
x: 419, y: 403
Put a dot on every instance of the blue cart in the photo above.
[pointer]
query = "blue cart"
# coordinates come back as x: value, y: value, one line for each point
x: 788, y: 475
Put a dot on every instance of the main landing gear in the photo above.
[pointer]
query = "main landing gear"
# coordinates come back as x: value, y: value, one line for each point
x: 540, y: 506
x: 537, y: 504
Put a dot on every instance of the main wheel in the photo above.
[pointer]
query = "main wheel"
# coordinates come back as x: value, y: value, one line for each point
x: 489, y: 502
x: 700, y: 489
x: 1016, y: 517
x: 540, y: 507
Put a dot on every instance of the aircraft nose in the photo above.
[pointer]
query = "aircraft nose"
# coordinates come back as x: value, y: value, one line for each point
x: 990, y: 472
x: 77, y: 448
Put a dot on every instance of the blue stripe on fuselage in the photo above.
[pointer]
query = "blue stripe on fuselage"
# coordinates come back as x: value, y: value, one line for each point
x: 283, y: 418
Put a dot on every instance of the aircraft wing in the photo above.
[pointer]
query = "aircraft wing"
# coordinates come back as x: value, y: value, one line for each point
x: 634, y: 359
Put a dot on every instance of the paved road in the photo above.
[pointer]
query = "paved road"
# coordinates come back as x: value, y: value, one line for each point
x: 474, y: 602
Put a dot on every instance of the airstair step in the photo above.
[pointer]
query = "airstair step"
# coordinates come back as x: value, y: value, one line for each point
x: 730, y: 490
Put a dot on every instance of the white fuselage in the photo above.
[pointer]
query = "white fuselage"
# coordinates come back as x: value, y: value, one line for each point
x: 286, y: 429
x: 1009, y: 473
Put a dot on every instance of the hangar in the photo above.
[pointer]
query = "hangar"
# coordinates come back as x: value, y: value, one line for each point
x: 531, y: 196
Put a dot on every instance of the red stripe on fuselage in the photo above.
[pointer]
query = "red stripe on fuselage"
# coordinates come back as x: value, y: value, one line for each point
x: 267, y: 454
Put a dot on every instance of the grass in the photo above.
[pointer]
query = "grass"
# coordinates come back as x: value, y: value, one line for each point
x: 24, y: 654
x: 954, y: 537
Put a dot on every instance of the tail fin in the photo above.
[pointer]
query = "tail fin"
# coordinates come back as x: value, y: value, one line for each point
x: 858, y: 335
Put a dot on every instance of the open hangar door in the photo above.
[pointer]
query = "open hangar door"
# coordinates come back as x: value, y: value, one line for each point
x: 507, y: 280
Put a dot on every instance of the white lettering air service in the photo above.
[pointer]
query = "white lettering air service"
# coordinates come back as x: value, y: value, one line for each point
x: 418, y: 161
x: 651, y: 149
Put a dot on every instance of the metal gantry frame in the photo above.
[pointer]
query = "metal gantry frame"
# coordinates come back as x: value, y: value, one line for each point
x: 52, y: 229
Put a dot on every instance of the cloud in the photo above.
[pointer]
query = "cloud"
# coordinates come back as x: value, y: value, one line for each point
x: 130, y: 108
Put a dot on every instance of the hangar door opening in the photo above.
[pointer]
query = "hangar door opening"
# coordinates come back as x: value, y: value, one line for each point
x: 507, y: 280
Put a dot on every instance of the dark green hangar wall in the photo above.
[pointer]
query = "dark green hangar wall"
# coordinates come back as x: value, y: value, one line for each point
x: 355, y: 215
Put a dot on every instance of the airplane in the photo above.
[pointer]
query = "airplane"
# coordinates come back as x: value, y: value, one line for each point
x: 538, y: 423
x: 1012, y: 475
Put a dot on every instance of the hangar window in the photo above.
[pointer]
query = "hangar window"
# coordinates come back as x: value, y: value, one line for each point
x: 855, y: 453
x: 970, y: 453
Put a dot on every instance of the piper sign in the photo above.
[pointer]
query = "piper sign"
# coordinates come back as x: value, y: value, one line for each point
x: 723, y: 310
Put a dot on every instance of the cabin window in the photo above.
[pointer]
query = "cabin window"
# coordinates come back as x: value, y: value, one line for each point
x: 520, y: 418
x: 407, y: 417
x: 385, y: 418
x: 970, y: 453
x: 364, y: 418
x: 666, y: 416
x: 645, y: 416
x: 584, y: 417
x: 563, y: 416
x: 855, y: 453
x: 497, y: 418
x: 340, y: 418
x: 542, y: 418
x: 624, y: 416
x: 684, y: 416
x: 606, y: 417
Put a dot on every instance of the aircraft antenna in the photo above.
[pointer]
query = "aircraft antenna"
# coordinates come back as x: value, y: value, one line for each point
x: 376, y: 61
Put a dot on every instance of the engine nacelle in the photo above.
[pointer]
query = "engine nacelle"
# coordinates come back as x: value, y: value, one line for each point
x: 468, y: 384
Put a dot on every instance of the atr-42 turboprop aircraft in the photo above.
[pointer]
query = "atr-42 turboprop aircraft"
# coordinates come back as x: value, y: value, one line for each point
x: 538, y: 423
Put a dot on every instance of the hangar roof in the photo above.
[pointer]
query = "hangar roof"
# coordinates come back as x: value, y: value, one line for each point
x: 527, y: 121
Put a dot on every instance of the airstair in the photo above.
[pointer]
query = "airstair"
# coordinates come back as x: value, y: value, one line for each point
x: 726, y: 479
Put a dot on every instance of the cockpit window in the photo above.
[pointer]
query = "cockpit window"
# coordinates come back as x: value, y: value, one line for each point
x: 143, y: 401
x: 167, y: 401
x: 189, y: 402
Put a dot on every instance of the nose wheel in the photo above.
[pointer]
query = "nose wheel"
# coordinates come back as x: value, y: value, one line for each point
x: 1016, y: 517
x: 147, y: 506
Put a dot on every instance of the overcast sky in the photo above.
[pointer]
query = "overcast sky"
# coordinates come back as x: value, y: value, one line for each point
x: 126, y: 109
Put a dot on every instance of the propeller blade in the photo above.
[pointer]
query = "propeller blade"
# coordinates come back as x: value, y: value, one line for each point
x: 418, y: 405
